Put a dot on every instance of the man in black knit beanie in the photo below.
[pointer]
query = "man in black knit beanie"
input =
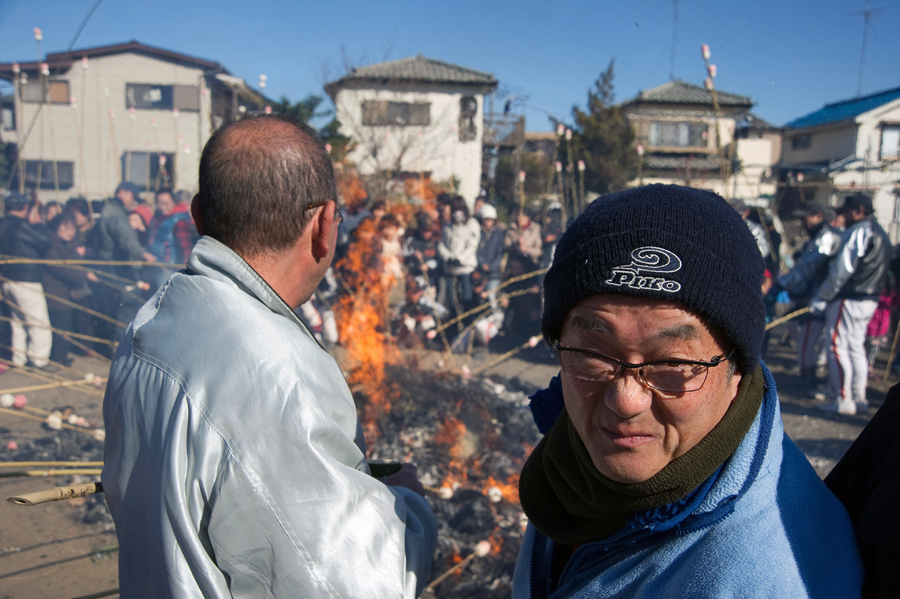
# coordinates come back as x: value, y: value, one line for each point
x: 665, y: 470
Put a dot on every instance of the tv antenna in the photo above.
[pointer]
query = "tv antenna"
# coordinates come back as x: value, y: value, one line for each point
x: 674, y: 37
x: 867, y: 14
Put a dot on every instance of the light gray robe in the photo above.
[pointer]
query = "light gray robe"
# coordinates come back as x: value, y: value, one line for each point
x: 235, y: 464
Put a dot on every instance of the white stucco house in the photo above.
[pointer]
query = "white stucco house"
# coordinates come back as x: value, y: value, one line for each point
x: 415, y: 117
x: 846, y: 147
x: 132, y: 112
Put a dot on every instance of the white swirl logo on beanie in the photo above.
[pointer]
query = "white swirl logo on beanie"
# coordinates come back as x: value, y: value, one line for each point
x: 648, y: 261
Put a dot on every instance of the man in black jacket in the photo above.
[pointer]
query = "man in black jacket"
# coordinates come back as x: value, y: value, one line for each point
x: 849, y: 297
x: 21, y: 284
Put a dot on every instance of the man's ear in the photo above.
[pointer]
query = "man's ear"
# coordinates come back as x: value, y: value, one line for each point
x: 322, y: 228
x: 197, y: 215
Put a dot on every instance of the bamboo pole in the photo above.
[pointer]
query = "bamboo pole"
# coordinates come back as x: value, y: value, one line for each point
x: 89, y: 262
x: 72, y: 304
x: 41, y: 376
x: 532, y: 342
x: 55, y: 385
x: 56, y: 494
x: 73, y: 471
x: 100, y: 595
x: 887, y: 369
x: 786, y: 318
x: 70, y: 463
x: 66, y: 334
x: 481, y: 550
x: 80, y: 429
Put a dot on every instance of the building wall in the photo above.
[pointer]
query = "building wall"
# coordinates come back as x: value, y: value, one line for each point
x: 826, y: 145
x: 88, y: 132
x: 435, y: 148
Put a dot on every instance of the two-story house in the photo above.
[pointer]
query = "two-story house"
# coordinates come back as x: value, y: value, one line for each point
x: 677, y: 127
x: 846, y: 147
x: 415, y: 117
x: 85, y: 120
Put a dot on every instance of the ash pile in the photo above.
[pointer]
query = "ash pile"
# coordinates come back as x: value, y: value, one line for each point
x: 66, y: 445
x: 469, y: 439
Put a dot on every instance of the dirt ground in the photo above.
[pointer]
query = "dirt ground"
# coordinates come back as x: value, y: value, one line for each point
x: 49, y: 550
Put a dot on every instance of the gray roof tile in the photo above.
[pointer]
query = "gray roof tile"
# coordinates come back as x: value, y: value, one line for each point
x: 418, y: 68
x: 680, y: 92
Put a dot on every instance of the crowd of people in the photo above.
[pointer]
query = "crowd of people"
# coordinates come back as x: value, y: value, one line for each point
x: 845, y: 276
x: 40, y: 295
x: 446, y: 262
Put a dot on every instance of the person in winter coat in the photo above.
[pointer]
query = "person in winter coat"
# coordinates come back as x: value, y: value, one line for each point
x: 459, y: 250
x: 849, y: 297
x: 170, y: 235
x: 665, y: 470
x: 490, y: 248
x: 64, y: 282
x: 523, y: 241
x: 23, y: 236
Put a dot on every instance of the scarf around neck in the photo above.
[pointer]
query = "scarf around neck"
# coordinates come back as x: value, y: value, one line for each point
x: 570, y: 501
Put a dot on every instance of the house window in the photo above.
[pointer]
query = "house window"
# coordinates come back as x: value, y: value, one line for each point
x: 890, y: 142
x: 9, y: 116
x: 398, y: 114
x: 801, y: 142
x: 65, y: 171
x: 148, y: 97
x: 144, y: 170
x: 668, y: 134
x: 468, y: 108
x: 57, y: 91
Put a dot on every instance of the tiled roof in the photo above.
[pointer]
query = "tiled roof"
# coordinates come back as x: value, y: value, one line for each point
x: 65, y: 59
x: 844, y: 110
x: 418, y: 68
x: 697, y: 163
x: 751, y: 121
x: 680, y: 92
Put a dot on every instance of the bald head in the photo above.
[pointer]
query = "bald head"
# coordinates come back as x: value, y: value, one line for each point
x: 257, y: 176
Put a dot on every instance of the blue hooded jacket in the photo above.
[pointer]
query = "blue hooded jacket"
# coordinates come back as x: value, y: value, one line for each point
x: 763, y: 525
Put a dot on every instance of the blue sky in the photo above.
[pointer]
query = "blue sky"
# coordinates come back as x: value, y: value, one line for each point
x: 791, y: 57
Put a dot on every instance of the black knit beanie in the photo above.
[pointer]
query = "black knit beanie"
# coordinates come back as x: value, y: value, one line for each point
x: 663, y: 242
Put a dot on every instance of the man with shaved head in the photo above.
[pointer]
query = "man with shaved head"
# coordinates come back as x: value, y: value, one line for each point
x: 665, y: 470
x: 235, y: 462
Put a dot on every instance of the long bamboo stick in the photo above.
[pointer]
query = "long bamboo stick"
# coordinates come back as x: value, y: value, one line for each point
x: 90, y: 262
x: 890, y: 362
x: 56, y: 494
x: 75, y: 464
x: 70, y: 472
x: 42, y: 420
x: 787, y: 317
x: 66, y: 333
x: 55, y: 385
x: 532, y: 342
x: 79, y: 307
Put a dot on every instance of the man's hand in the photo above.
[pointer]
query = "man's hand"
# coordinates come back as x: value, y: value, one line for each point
x: 147, y: 256
x: 817, y: 307
x: 407, y: 477
x: 92, y: 277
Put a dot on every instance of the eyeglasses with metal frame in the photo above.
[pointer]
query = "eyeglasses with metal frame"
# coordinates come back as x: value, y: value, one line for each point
x: 337, y: 209
x: 670, y: 376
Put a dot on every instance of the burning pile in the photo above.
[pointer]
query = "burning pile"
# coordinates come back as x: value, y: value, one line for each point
x: 471, y: 438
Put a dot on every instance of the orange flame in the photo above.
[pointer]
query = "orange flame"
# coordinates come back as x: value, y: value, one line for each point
x: 363, y: 327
